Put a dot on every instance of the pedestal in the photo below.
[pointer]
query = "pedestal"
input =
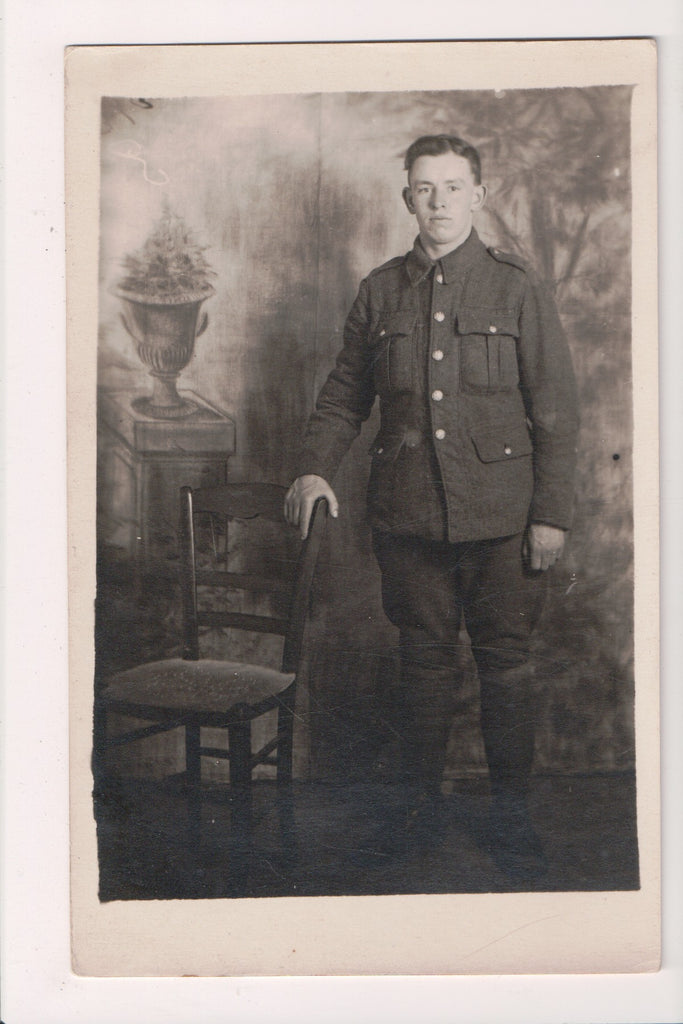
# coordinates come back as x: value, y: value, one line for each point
x: 143, y: 463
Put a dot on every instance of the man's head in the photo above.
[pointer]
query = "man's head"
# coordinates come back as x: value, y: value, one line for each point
x: 444, y: 190
x: 435, y: 145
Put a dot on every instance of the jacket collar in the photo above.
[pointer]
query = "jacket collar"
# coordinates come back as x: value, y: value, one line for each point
x: 419, y: 264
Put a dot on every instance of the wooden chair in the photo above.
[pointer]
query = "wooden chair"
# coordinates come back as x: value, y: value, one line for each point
x: 191, y: 692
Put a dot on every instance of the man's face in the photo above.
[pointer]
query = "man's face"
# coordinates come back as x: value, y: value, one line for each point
x: 443, y: 195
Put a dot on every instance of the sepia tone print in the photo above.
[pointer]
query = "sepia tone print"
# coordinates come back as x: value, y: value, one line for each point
x: 269, y: 210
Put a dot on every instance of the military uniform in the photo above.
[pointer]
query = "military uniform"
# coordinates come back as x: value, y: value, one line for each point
x: 477, y: 439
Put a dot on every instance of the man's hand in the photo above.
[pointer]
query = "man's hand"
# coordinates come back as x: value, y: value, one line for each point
x: 302, y: 496
x: 543, y: 545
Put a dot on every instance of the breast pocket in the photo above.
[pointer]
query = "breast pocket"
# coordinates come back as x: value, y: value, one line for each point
x: 488, y: 349
x: 394, y: 360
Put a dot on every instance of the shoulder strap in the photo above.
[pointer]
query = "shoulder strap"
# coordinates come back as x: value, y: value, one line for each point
x: 508, y: 257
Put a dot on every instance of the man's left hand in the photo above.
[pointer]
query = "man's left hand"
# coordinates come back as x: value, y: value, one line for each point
x: 543, y: 545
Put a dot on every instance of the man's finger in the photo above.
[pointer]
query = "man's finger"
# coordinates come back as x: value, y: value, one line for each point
x: 305, y: 517
x: 538, y: 557
x: 291, y: 509
x: 548, y: 559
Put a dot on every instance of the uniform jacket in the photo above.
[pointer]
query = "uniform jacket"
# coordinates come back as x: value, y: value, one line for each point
x: 477, y: 397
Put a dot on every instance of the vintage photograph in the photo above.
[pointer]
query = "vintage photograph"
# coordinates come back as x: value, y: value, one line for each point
x: 364, y: 614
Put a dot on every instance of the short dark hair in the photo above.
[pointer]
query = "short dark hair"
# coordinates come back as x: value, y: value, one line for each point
x: 435, y: 145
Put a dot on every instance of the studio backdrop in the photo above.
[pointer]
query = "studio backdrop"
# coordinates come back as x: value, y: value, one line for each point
x: 296, y: 198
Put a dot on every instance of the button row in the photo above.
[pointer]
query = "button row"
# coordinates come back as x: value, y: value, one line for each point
x: 437, y: 356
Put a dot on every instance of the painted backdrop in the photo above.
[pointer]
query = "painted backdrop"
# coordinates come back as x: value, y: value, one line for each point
x: 297, y: 197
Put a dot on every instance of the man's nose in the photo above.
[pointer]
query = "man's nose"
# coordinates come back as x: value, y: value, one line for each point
x: 438, y: 199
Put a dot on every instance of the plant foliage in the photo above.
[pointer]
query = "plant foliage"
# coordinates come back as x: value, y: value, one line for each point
x: 170, y: 266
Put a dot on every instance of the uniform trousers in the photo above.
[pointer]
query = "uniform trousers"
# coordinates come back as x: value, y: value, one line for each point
x: 427, y: 587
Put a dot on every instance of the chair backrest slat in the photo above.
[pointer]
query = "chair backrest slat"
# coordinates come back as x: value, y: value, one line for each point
x: 241, y: 620
x: 242, y: 501
x: 245, y: 581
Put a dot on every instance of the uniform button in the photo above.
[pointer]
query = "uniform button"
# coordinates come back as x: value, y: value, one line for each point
x: 439, y: 278
x: 440, y: 317
x: 380, y: 450
x: 493, y: 328
x: 439, y: 434
x: 437, y: 395
x: 437, y: 354
x: 382, y: 333
x: 507, y: 449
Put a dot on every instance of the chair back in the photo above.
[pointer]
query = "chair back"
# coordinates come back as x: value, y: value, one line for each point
x: 290, y: 585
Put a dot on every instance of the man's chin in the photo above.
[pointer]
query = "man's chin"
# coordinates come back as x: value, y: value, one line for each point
x: 442, y: 238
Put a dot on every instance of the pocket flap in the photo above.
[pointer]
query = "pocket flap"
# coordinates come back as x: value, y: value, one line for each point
x: 502, y: 442
x: 396, y: 323
x: 487, y: 320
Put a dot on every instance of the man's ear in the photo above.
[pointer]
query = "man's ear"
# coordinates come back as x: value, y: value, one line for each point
x: 408, y: 199
x: 478, y: 197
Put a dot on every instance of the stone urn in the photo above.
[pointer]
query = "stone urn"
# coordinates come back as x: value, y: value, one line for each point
x: 164, y: 332
x: 165, y: 284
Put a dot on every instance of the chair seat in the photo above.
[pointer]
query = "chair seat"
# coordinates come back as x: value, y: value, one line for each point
x: 202, y: 687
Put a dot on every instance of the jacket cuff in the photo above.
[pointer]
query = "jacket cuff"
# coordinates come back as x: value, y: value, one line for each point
x: 558, y: 515
x: 535, y: 521
x: 310, y: 464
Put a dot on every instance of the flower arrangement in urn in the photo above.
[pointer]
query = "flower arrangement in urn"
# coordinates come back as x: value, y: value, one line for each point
x: 165, y: 283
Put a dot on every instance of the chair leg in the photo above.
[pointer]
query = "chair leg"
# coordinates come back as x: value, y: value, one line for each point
x: 287, y: 825
x: 239, y: 737
x: 193, y: 774
x: 285, y: 795
x: 241, y: 837
x: 285, y: 742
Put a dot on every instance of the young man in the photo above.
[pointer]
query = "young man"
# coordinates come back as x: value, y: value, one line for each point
x: 471, y: 484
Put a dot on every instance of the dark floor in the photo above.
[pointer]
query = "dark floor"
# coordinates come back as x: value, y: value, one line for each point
x: 587, y: 822
x: 587, y: 825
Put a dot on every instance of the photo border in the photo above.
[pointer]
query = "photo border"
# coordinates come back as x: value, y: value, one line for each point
x: 37, y: 983
x: 449, y: 933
